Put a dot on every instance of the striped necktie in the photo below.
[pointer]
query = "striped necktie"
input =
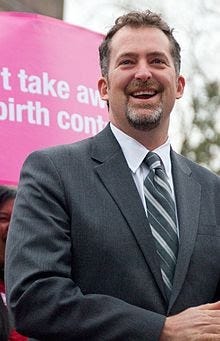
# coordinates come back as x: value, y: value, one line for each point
x: 162, y: 217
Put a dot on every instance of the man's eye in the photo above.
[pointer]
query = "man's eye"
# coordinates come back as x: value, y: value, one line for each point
x: 126, y: 62
x: 158, y: 61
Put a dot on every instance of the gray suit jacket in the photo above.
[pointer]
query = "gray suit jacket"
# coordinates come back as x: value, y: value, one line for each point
x: 81, y: 262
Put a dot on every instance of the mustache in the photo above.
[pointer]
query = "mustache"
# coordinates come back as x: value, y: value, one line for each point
x: 139, y: 85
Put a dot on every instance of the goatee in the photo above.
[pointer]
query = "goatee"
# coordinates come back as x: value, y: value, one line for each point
x: 143, y: 121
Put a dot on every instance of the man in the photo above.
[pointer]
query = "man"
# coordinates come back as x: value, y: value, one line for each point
x: 83, y: 256
x: 7, y: 198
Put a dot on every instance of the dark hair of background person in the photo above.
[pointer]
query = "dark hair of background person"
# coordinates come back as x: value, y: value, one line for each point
x: 6, y: 193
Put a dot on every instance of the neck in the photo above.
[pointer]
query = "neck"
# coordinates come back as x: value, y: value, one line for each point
x: 151, y: 139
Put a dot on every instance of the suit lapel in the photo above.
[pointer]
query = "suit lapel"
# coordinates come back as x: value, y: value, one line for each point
x: 115, y: 174
x: 188, y: 195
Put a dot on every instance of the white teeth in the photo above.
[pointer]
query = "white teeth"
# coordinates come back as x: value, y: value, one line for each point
x: 146, y: 93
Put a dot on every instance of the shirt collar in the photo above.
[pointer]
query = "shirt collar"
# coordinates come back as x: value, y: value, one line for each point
x: 135, y: 152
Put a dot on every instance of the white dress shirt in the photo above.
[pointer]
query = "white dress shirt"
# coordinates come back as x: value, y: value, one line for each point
x: 135, y: 153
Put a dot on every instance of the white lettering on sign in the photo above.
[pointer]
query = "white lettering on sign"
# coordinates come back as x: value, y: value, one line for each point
x: 5, y: 75
x: 89, y: 96
x: 31, y: 112
x: 43, y: 85
x: 79, y: 123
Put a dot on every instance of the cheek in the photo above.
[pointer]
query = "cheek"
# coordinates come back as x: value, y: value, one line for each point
x: 168, y: 80
x: 120, y: 80
x: 171, y: 88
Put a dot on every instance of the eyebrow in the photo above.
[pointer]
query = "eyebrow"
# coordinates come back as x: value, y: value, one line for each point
x: 127, y: 54
x: 158, y: 53
x: 150, y: 54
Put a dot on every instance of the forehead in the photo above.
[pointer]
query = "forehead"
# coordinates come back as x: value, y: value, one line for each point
x: 139, y: 40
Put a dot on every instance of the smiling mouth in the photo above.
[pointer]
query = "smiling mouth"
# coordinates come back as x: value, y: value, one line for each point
x: 146, y: 94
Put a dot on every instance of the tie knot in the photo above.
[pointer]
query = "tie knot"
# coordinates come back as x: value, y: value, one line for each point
x: 153, y: 161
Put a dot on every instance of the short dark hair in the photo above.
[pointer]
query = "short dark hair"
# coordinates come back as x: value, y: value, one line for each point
x: 7, y: 193
x: 138, y: 19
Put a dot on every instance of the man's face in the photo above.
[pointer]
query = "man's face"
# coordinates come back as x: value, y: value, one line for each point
x: 5, y: 216
x: 142, y: 84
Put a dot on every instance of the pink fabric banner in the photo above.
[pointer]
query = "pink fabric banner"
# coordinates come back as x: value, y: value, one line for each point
x: 48, y: 87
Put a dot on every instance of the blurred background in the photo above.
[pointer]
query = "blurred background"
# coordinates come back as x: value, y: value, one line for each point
x: 195, y: 123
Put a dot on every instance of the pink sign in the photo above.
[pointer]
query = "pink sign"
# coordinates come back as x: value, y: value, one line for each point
x: 48, y: 87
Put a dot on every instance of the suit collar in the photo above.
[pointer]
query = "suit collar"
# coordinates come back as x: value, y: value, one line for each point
x: 135, y: 152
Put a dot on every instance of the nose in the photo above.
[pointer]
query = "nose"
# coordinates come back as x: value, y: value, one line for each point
x: 143, y: 72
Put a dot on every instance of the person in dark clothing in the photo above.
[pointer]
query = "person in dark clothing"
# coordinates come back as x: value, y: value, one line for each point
x: 7, y: 198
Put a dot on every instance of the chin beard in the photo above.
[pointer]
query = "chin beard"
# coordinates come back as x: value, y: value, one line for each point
x: 144, y: 122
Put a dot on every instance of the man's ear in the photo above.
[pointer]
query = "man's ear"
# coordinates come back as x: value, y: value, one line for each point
x: 180, y: 86
x: 103, y: 88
